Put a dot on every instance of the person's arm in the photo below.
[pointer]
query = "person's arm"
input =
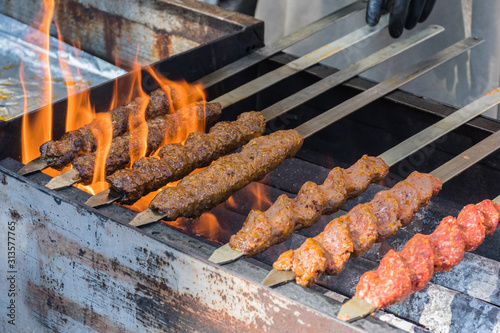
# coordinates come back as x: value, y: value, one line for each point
x: 403, y: 13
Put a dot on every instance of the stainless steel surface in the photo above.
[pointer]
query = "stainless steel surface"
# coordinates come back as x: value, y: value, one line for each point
x: 16, y: 50
x: 349, y: 72
x: 281, y: 44
x: 299, y: 64
x: 329, y: 117
x: 469, y: 157
x: 444, y: 126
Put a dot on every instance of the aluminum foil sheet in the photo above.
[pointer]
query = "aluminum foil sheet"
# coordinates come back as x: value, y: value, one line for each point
x: 17, y: 49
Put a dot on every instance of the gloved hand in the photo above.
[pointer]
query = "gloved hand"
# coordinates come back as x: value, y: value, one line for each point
x: 403, y: 13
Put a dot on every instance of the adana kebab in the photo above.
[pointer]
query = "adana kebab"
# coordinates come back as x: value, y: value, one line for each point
x: 410, y: 270
x: 264, y: 81
x: 61, y: 152
x: 375, y: 221
x: 119, y: 156
x: 261, y: 230
x: 128, y: 185
x: 211, y: 186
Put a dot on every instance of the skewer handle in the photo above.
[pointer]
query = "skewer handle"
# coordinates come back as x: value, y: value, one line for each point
x: 442, y: 127
x: 468, y: 158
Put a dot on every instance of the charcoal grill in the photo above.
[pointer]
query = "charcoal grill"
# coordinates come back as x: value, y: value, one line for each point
x: 87, y: 269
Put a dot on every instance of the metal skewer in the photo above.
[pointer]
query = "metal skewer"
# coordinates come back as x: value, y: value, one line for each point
x: 329, y: 117
x: 444, y: 173
x: 357, y: 308
x: 40, y: 163
x: 108, y: 196
x: 37, y: 164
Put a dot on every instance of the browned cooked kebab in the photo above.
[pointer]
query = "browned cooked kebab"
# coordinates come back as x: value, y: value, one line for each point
x: 264, y: 229
x: 177, y: 160
x: 365, y: 224
x: 205, y: 189
x: 127, y: 185
x: 167, y: 205
x: 59, y: 153
x: 410, y: 270
x: 159, y: 129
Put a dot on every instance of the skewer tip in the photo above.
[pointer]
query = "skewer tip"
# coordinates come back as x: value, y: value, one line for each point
x: 225, y: 255
x: 105, y: 197
x: 146, y: 217
x: 354, y: 309
x: 66, y: 179
x: 38, y: 164
x: 276, y: 278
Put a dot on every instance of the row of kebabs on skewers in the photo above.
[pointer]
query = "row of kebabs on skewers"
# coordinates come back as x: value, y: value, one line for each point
x: 69, y: 148
x: 203, y: 190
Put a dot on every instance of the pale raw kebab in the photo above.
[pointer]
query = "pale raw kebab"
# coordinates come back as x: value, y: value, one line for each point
x: 159, y: 129
x: 261, y: 230
x: 375, y: 221
x: 410, y: 270
x: 59, y: 153
x: 204, y: 190
x: 146, y: 175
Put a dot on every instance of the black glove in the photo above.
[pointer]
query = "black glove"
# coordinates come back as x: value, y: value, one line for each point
x: 403, y: 13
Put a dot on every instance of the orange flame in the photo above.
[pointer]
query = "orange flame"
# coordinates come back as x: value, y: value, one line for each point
x: 208, y: 227
x: 79, y: 110
x: 180, y: 95
x: 138, y: 128
x: 103, y: 134
x: 259, y: 199
x: 37, y: 128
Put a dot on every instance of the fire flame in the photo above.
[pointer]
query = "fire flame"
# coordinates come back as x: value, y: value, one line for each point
x: 79, y: 111
x: 103, y: 134
x: 208, y: 226
x: 252, y: 196
x: 180, y: 95
x: 138, y: 128
x: 37, y: 127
